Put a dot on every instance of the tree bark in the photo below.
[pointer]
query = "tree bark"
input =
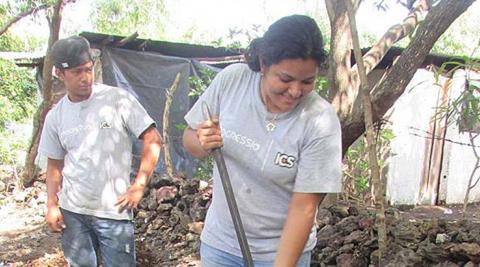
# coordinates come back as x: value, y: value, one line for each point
x: 392, y: 36
x: 30, y: 170
x: 387, y: 91
x: 340, y: 93
x: 371, y: 145
x: 14, y: 20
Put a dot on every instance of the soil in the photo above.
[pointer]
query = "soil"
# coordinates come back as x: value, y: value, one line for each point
x: 24, y: 237
x: 25, y: 240
x: 448, y: 213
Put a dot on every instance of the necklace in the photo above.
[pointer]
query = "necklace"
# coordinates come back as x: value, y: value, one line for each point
x: 271, y: 123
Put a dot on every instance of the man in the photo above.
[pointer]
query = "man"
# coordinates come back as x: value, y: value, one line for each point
x: 87, y: 139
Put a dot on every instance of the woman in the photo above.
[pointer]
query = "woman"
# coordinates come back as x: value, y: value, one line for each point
x: 281, y: 143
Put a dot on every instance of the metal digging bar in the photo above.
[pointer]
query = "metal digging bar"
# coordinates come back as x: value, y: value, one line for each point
x: 232, y: 204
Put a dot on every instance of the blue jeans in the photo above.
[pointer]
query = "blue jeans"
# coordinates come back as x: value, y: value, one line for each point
x: 84, y: 235
x: 212, y: 257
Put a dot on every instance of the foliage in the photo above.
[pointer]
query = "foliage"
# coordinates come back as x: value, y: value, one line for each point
x: 10, y: 43
x: 238, y: 38
x: 10, y: 9
x: 126, y: 17
x: 17, y: 102
x: 205, y: 169
x: 356, y: 170
x: 465, y: 109
x: 17, y: 93
x: 13, y: 43
x: 199, y: 83
x: 322, y: 86
x: 462, y: 36
x: 10, y: 144
x: 469, y: 102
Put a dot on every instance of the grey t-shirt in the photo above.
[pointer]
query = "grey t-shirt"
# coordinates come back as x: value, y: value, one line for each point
x: 94, y: 139
x: 302, y: 154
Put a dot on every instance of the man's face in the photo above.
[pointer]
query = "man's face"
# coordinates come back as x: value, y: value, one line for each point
x: 78, y: 81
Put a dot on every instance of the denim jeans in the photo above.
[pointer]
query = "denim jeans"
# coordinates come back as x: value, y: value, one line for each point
x: 212, y: 257
x: 84, y: 235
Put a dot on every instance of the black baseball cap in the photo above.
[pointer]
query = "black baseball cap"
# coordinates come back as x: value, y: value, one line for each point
x: 71, y: 52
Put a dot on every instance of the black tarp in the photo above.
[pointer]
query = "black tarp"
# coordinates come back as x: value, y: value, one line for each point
x: 147, y: 75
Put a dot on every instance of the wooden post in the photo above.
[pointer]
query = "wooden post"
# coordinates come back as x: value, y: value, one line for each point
x: 166, y: 112
x: 372, y: 150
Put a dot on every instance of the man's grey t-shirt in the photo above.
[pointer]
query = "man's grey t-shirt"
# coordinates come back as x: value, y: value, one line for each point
x: 94, y: 139
x: 302, y: 154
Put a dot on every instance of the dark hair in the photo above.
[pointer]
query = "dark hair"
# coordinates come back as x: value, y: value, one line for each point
x: 290, y: 37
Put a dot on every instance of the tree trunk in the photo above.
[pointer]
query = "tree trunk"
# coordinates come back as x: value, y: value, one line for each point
x: 385, y: 93
x: 341, y: 92
x: 30, y: 170
x: 371, y: 145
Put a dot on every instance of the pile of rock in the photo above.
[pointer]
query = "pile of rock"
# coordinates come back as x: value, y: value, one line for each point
x: 347, y: 237
x: 170, y: 219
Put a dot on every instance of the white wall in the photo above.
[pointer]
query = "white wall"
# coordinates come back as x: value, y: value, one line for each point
x: 459, y: 158
x: 411, y: 115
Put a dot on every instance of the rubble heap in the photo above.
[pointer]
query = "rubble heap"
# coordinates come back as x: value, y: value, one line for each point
x: 347, y: 237
x: 170, y: 219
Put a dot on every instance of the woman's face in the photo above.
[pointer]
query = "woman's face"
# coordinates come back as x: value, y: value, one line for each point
x: 284, y: 84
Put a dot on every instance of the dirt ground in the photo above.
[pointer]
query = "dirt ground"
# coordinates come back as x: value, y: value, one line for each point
x: 449, y: 213
x: 25, y: 240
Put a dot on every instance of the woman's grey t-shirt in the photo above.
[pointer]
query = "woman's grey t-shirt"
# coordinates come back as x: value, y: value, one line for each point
x: 302, y: 154
x: 93, y: 137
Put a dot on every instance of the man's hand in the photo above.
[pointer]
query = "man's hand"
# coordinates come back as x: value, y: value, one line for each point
x: 131, y: 198
x: 54, y: 219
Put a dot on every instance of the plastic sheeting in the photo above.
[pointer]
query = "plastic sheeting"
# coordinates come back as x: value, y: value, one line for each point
x: 147, y: 76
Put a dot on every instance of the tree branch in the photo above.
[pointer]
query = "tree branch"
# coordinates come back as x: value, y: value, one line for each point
x: 371, y: 144
x: 166, y: 115
x: 384, y: 95
x: 126, y: 39
x: 392, y: 36
x: 13, y: 20
x: 435, y: 24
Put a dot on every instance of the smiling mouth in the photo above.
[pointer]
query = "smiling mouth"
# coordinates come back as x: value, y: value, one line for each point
x: 290, y: 100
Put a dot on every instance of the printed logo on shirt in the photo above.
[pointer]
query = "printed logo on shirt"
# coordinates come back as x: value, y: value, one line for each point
x: 240, y: 139
x: 105, y: 125
x: 284, y: 160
